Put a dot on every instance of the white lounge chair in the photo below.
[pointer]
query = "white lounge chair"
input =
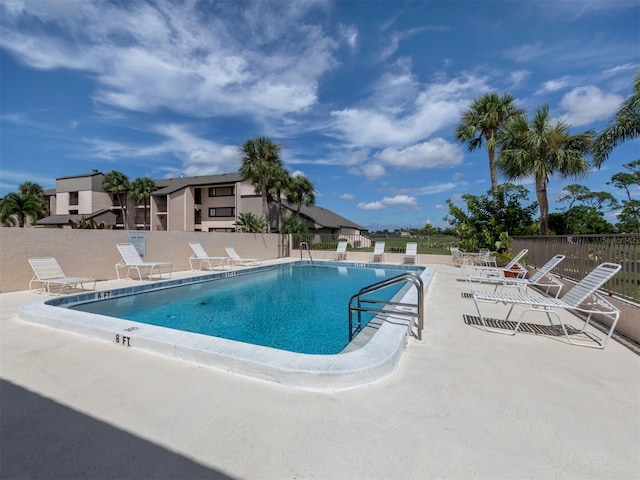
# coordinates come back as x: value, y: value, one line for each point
x: 131, y: 261
x: 47, y: 272
x: 542, y: 279
x: 378, y: 252
x: 235, y: 259
x: 341, y: 251
x: 582, y: 298
x: 483, y: 258
x: 410, y: 253
x: 513, y: 268
x: 200, y: 255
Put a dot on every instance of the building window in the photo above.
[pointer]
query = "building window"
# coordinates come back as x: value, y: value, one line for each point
x: 73, y: 212
x: 197, y: 196
x: 222, y: 212
x: 222, y: 191
x: 73, y: 198
x: 197, y: 216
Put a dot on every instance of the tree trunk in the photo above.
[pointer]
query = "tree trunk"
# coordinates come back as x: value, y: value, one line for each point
x: 543, y: 204
x: 265, y: 206
x: 494, y: 177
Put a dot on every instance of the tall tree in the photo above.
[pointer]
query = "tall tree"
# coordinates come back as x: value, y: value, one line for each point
x: 260, y: 159
x: 279, y: 183
x: 16, y: 208
x: 32, y: 188
x: 541, y: 149
x: 624, y: 126
x: 630, y: 214
x: 480, y: 125
x: 301, y: 192
x: 117, y: 183
x: 141, y: 190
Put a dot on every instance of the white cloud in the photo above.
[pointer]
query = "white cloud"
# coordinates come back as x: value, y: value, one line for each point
x: 434, y: 153
x: 398, y: 200
x: 144, y: 56
x: 434, y: 107
x: 553, y: 85
x: 585, y: 105
x: 346, y: 196
x: 371, y: 206
x: 350, y: 35
x: 373, y: 171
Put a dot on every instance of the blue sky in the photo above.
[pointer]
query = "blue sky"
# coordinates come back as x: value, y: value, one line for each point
x: 363, y: 96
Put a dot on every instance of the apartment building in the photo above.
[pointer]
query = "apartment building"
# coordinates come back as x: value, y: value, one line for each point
x: 208, y: 203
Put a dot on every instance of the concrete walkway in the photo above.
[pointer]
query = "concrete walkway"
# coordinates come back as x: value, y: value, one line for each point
x: 465, y: 403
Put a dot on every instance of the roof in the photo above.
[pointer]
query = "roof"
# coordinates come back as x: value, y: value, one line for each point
x: 170, y: 185
x: 93, y: 173
x: 324, y: 217
x: 109, y: 217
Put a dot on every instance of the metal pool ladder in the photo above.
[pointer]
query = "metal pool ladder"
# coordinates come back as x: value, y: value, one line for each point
x: 306, y: 247
x: 413, y: 310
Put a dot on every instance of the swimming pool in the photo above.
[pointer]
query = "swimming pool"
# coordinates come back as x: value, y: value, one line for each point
x: 300, y: 308
x: 374, y: 354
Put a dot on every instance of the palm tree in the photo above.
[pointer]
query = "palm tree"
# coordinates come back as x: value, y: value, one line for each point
x: 141, y: 190
x: 32, y: 188
x: 116, y: 182
x: 260, y: 159
x: 251, y: 223
x: 624, y: 126
x: 279, y: 183
x: 482, y: 122
x: 16, y: 208
x: 300, y: 192
x: 541, y: 149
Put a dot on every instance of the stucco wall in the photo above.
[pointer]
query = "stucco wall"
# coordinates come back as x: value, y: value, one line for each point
x: 93, y: 253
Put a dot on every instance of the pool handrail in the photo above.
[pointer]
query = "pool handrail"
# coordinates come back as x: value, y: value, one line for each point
x: 404, y: 277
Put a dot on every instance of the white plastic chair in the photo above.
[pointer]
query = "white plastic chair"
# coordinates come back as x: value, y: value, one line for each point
x: 410, y: 253
x: 131, y: 261
x: 235, y: 259
x: 341, y: 251
x: 378, y: 252
x: 200, y: 255
x: 514, y: 267
x: 581, y: 298
x: 47, y: 272
x: 542, y: 279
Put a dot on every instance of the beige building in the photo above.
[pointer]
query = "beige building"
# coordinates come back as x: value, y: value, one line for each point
x: 208, y: 203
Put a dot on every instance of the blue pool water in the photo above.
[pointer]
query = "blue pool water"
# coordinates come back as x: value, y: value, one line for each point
x: 302, y: 309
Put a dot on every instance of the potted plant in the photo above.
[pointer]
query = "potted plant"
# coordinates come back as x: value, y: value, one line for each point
x: 504, y: 254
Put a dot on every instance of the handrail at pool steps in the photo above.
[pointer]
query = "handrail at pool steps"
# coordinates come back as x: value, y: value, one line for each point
x: 306, y: 247
x: 410, y: 277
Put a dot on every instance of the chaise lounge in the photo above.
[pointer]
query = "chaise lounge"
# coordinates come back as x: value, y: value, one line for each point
x: 47, y: 272
x: 131, y: 260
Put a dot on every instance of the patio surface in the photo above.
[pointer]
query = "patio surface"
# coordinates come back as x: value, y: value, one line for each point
x: 464, y: 403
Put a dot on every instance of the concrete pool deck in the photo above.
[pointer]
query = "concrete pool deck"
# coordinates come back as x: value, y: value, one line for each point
x: 464, y: 403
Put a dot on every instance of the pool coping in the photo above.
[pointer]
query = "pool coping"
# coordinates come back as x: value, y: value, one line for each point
x: 375, y: 360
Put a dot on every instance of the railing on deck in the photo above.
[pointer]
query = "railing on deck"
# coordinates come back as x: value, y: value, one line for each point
x: 585, y: 252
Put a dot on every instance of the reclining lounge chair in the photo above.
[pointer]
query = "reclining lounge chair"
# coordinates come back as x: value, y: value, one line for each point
x: 131, y: 261
x: 410, y: 253
x: 341, y: 251
x: 235, y: 259
x: 542, y: 279
x: 582, y: 298
x: 47, y: 272
x: 200, y: 255
x: 378, y: 252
